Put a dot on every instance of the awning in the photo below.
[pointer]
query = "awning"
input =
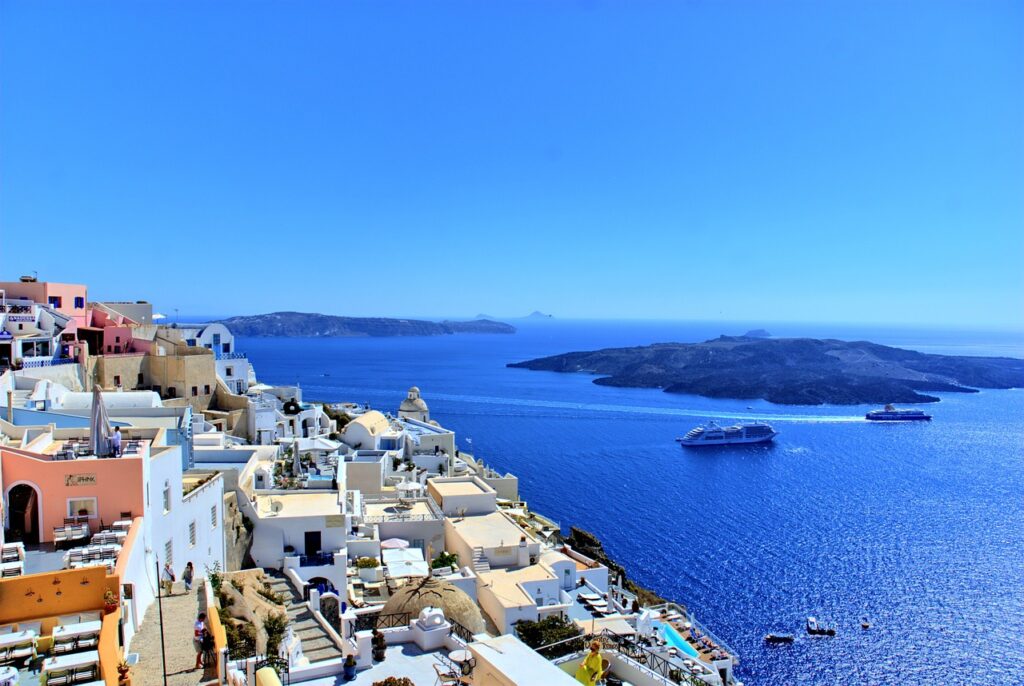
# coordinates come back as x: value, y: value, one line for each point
x: 614, y: 624
x: 408, y: 568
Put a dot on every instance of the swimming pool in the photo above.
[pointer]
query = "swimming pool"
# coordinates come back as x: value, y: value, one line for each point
x: 676, y: 639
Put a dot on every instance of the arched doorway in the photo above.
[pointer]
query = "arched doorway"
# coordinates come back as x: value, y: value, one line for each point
x: 23, y: 513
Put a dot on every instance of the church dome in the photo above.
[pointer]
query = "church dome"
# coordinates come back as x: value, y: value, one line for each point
x: 434, y: 592
x: 413, y: 402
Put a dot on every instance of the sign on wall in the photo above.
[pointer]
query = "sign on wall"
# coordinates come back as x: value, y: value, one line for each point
x: 334, y: 521
x: 79, y: 479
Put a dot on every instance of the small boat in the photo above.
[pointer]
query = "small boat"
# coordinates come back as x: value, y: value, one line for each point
x: 865, y: 624
x: 779, y: 638
x: 815, y: 629
x: 713, y: 434
x: 891, y: 414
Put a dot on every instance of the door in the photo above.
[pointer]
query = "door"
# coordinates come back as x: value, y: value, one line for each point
x: 312, y: 543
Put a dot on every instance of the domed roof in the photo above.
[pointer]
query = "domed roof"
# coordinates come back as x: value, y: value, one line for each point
x: 434, y: 592
x: 413, y: 402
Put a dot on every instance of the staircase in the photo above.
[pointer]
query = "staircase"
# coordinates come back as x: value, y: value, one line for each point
x: 316, y: 644
x: 480, y: 563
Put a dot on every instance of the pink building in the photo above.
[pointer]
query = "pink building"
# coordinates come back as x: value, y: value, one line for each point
x: 70, y: 299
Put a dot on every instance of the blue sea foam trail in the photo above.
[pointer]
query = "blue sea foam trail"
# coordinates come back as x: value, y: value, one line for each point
x: 601, y: 407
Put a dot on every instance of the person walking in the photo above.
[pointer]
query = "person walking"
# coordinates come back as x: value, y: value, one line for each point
x: 198, y: 629
x: 167, y: 578
x: 115, y: 441
x: 187, y: 576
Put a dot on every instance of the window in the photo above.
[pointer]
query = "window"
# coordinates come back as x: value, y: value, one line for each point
x: 110, y: 348
x: 55, y: 301
x: 213, y: 517
x: 191, y: 342
x: 216, y: 340
x: 192, y: 534
x: 117, y: 380
x: 229, y: 371
x: 172, y: 392
x: 206, y: 389
x: 169, y: 552
x: 117, y: 339
x: 167, y: 496
x: 226, y: 348
x: 78, y: 506
x: 195, y: 391
x: 142, y: 378
x: 79, y: 302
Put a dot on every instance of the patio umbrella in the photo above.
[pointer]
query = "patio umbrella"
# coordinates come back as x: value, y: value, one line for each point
x: 394, y: 543
x: 99, y: 424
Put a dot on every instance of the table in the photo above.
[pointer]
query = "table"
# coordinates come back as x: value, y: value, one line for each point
x: 70, y: 661
x: 16, y: 637
x: 460, y: 656
x: 8, y: 676
x: 78, y: 629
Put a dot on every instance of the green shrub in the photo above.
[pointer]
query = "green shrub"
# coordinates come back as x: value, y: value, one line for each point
x: 445, y: 559
x: 367, y: 563
x: 550, y: 630
x: 275, y: 625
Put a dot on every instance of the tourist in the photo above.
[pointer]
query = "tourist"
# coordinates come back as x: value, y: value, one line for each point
x: 167, y: 578
x: 197, y: 638
x: 115, y: 442
x: 207, y: 644
x: 187, y: 576
x: 591, y: 669
x: 636, y: 606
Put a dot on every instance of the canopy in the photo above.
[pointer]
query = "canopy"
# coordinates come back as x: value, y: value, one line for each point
x: 407, y: 486
x: 394, y: 543
x: 614, y: 624
x: 402, y: 555
x: 408, y: 568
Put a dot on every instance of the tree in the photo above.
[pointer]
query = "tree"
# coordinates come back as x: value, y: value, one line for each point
x: 550, y: 630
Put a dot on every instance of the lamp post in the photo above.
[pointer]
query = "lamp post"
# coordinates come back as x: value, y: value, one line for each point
x: 160, y: 608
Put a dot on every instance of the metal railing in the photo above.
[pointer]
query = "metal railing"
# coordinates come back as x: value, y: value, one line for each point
x: 374, y: 620
x: 317, y: 560
x: 277, y: 664
x: 461, y: 632
x: 36, y: 362
x: 231, y: 356
x: 628, y: 648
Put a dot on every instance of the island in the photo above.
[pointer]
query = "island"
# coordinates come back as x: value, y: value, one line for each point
x: 309, y: 325
x: 789, y: 371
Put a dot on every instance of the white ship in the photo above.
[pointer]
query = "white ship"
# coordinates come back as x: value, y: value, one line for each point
x: 713, y: 434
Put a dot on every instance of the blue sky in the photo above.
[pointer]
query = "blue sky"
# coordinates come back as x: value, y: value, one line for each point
x: 803, y: 161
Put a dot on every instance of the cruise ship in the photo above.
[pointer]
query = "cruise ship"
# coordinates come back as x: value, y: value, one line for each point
x: 891, y: 414
x: 713, y: 434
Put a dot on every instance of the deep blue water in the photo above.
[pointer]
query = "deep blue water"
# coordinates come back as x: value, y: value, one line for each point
x: 917, y: 526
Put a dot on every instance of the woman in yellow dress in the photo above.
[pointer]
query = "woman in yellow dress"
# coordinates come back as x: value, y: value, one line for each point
x: 590, y: 669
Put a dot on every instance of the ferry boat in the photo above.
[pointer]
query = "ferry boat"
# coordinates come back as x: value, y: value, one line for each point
x: 779, y: 638
x: 713, y: 434
x: 816, y: 629
x: 891, y: 414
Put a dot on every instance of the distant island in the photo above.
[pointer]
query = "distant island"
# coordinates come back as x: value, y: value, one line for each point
x: 537, y: 314
x: 789, y: 371
x: 303, y: 324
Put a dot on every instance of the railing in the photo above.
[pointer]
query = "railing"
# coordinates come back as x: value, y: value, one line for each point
x: 317, y: 560
x: 373, y: 620
x: 277, y: 664
x: 628, y: 648
x: 461, y: 632
x: 136, y: 353
x: 36, y: 362
x: 230, y: 356
x: 377, y: 519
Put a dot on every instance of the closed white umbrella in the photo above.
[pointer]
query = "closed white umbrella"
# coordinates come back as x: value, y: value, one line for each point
x: 99, y: 424
x: 394, y: 543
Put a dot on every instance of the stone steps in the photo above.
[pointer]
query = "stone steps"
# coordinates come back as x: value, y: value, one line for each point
x: 316, y: 644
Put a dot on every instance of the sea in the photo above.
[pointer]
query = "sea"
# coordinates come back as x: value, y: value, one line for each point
x: 917, y: 527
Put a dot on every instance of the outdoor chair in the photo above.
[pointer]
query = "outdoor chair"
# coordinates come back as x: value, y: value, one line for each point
x: 88, y: 641
x: 5, y: 656
x: 63, y: 645
x: 16, y: 571
x: 85, y: 674
x: 58, y: 677
x: 444, y: 677
x: 22, y: 651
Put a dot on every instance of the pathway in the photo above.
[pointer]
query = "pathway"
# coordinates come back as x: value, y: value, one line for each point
x: 180, y: 611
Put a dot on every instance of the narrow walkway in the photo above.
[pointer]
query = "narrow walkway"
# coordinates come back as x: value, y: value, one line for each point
x: 316, y: 644
x: 180, y: 612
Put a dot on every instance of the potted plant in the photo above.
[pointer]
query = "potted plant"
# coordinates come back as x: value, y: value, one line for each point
x: 109, y: 601
x: 350, y: 667
x: 122, y: 673
x: 369, y: 569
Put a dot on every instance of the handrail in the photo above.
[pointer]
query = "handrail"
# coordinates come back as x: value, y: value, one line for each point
x: 379, y: 621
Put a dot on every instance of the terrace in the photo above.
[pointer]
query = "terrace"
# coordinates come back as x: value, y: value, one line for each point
x: 391, y: 509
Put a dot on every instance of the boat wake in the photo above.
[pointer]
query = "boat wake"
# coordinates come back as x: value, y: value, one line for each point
x: 603, y: 407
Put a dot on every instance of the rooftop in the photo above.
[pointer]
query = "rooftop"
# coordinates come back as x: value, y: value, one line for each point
x: 488, y: 531
x: 455, y: 488
x: 298, y: 504
x: 506, y: 584
x: 398, y: 510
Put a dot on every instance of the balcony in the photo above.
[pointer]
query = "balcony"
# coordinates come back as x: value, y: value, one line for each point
x: 316, y: 560
x: 230, y: 356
